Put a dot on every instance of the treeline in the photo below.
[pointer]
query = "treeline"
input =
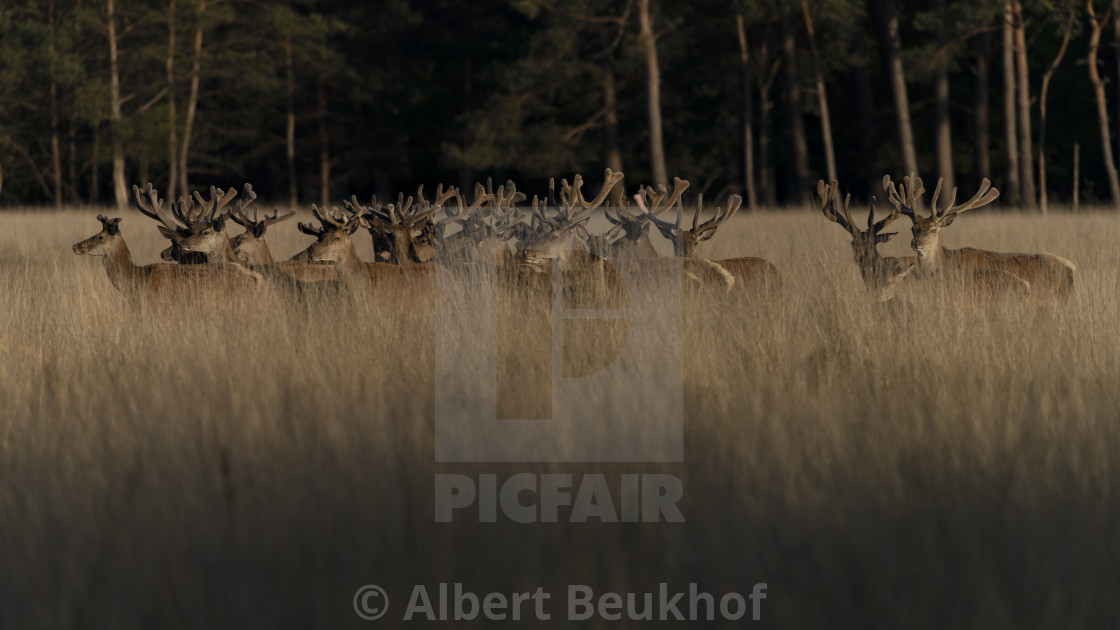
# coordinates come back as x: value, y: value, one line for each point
x: 312, y: 101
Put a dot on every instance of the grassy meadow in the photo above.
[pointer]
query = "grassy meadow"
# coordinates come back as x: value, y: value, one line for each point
x: 241, y: 463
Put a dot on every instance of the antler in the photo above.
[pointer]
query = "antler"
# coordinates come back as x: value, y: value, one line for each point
x: 983, y: 197
x: 912, y: 187
x: 152, y: 206
x: 211, y: 207
x: 878, y: 226
x: 733, y: 203
x: 827, y: 193
x: 661, y: 223
x: 679, y: 186
x: 914, y: 190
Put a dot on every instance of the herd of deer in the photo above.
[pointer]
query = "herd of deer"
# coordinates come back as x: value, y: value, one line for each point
x: 411, y: 237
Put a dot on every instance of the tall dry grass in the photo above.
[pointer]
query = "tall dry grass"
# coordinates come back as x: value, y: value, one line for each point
x: 250, y: 463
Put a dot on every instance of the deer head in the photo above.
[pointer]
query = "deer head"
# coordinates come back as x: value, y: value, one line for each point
x: 105, y: 242
x: 874, y: 269
x: 926, y: 241
x: 685, y: 241
x: 333, y: 242
x: 250, y: 246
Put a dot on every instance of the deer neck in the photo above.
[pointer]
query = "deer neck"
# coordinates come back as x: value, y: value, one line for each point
x: 348, y: 263
x: 934, y: 260
x: 118, y: 265
x: 684, y: 248
x: 875, y: 270
x: 266, y: 255
x: 225, y: 253
x: 402, y: 246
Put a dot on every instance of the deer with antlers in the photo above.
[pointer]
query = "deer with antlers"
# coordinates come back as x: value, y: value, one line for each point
x: 334, y: 245
x: 137, y: 282
x: 1044, y: 273
x: 749, y: 274
x: 187, y: 216
x: 880, y: 273
x: 394, y: 227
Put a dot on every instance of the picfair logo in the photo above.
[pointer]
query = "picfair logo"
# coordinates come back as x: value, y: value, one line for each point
x: 557, y: 362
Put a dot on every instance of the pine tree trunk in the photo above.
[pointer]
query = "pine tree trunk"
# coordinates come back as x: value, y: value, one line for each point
x: 865, y: 103
x: 943, y: 141
x: 56, y: 147
x: 748, y: 117
x: 72, y: 159
x: 293, y: 185
x: 800, y: 184
x: 324, y: 148
x: 192, y: 102
x: 1116, y: 49
x: 1026, y: 152
x: 658, y: 171
x: 981, y: 125
x: 822, y: 97
x: 890, y: 45
x: 173, y: 123
x: 611, y: 148
x: 1102, y: 106
x: 95, y: 158
x: 767, y: 187
x: 1010, y: 125
x: 1042, y: 193
x: 120, y: 189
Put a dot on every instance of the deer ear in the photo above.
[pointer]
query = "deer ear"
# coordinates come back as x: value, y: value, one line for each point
x: 947, y: 219
x: 883, y: 238
x: 167, y: 233
x: 706, y: 235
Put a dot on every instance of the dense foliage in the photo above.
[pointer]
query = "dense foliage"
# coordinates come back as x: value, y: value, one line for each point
x: 390, y: 94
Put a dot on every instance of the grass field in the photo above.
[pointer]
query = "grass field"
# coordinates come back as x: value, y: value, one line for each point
x: 938, y: 463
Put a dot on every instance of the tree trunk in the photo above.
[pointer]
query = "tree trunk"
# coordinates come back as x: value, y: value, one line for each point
x: 766, y: 77
x: 72, y: 161
x: 192, y: 102
x: 865, y: 103
x: 611, y: 147
x: 1116, y: 48
x: 120, y: 189
x: 1026, y: 152
x: 1042, y: 195
x: 656, y: 146
x: 1076, y: 176
x: 324, y: 148
x: 822, y: 96
x: 1096, y: 26
x: 293, y: 185
x: 173, y: 126
x: 95, y: 157
x: 982, y: 161
x: 1010, y: 125
x: 942, y: 124
x: 890, y: 46
x: 56, y: 147
x: 748, y: 117
x: 794, y: 118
